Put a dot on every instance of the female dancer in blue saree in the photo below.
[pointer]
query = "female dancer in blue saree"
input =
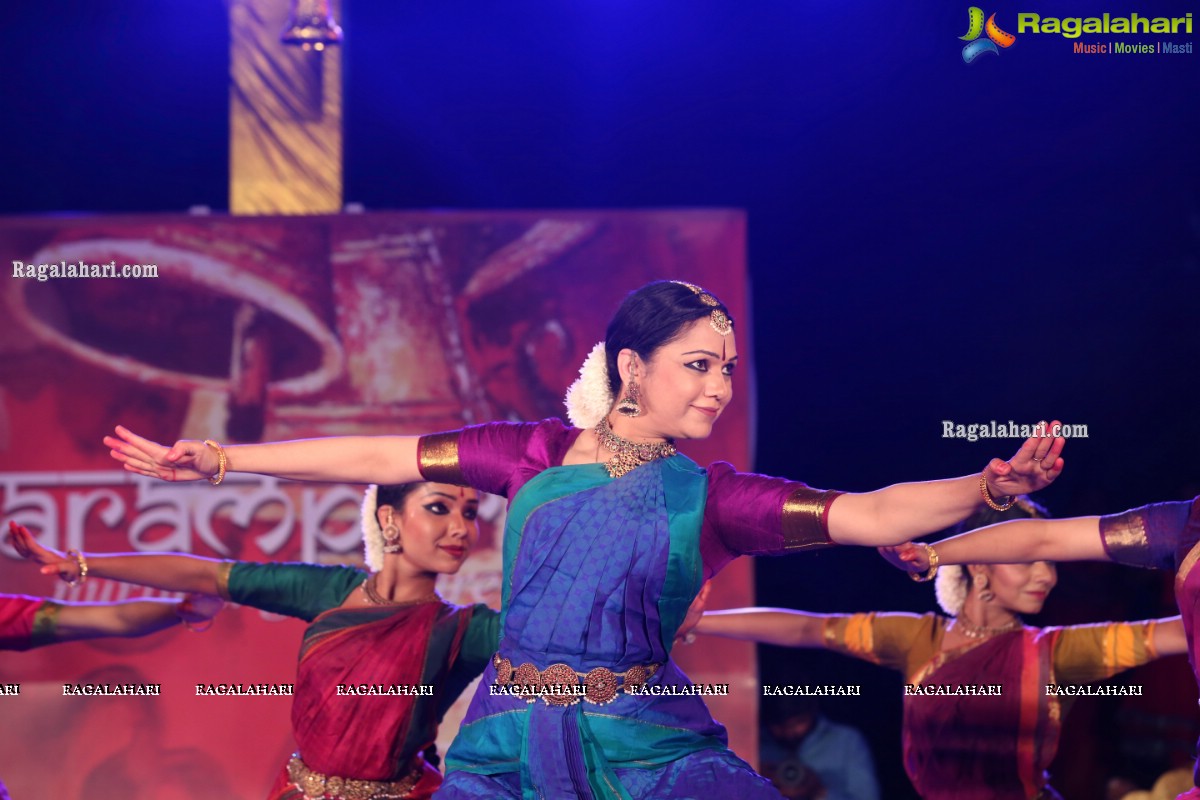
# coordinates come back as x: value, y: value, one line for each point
x: 609, y: 536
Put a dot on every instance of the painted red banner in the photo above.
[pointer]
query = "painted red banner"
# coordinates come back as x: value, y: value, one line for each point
x: 247, y: 329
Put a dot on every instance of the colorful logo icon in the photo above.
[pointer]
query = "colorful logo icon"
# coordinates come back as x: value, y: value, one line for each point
x: 976, y: 27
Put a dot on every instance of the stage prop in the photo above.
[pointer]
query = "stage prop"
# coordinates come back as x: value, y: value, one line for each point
x: 285, y: 111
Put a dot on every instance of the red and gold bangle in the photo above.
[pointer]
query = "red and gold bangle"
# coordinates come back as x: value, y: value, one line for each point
x: 987, y: 496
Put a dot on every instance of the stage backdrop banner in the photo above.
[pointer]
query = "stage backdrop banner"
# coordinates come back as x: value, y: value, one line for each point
x: 249, y: 329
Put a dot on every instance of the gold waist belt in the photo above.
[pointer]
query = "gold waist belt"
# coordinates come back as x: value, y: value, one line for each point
x: 318, y: 786
x: 557, y: 684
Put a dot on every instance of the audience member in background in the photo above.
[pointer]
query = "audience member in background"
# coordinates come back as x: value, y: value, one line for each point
x: 809, y: 757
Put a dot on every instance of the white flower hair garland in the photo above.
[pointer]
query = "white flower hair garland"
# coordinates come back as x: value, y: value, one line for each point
x: 371, y: 532
x: 950, y: 586
x: 589, y: 398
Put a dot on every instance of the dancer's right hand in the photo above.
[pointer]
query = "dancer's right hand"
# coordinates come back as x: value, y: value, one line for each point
x: 692, y: 618
x: 187, y: 460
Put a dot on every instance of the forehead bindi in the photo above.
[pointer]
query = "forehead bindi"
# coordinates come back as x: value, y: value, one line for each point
x: 450, y: 493
x: 699, y: 337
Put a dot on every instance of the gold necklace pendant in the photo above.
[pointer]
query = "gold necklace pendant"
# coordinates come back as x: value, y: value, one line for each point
x: 627, y: 455
x: 981, y: 632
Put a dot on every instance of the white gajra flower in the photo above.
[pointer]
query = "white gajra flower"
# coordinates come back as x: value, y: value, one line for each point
x: 371, y: 532
x: 588, y: 398
x: 951, y: 586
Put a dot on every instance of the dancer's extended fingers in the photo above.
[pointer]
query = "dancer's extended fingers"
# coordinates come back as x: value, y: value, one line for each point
x: 150, y: 448
x: 1054, y: 452
x: 1055, y: 469
x: 1028, y: 451
x: 150, y: 471
x: 1043, y: 441
x: 20, y: 538
x: 119, y: 447
x: 28, y: 547
x: 142, y: 466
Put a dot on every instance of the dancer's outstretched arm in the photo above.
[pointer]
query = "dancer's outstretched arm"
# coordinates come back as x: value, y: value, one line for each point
x: 174, y: 573
x: 1013, y: 542
x: 344, y: 459
x: 131, y: 617
x: 896, y: 514
x: 779, y: 626
x: 790, y: 628
x: 1169, y: 638
x: 887, y: 516
x: 1147, y: 536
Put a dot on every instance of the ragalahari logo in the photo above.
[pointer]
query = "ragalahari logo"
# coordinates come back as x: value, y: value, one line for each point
x: 976, y: 27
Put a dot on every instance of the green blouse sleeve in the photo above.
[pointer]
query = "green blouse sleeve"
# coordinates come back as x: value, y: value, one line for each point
x: 479, y: 643
x: 294, y: 590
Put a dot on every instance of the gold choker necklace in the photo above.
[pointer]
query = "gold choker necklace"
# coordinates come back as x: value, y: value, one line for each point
x: 981, y: 632
x: 375, y: 598
x: 629, y: 455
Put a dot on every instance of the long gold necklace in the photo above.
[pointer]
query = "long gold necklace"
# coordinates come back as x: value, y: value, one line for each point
x: 982, y: 632
x: 375, y: 598
x: 629, y: 455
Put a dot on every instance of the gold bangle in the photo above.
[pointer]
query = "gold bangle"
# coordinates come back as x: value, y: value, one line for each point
x: 222, y: 462
x: 927, y: 575
x: 987, y: 496
x: 80, y: 562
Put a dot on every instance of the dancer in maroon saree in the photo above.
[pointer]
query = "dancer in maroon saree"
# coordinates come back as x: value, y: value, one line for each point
x: 1159, y: 536
x: 383, y: 656
x: 426, y: 646
x: 995, y: 738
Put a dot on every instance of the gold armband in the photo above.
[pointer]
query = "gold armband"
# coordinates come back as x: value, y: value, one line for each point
x: 437, y: 458
x: 1124, y: 538
x: 223, y: 570
x: 806, y: 519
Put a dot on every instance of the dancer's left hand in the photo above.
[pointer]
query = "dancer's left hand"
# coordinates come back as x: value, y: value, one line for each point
x: 1035, y: 466
x: 197, y: 608
x: 52, y: 561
